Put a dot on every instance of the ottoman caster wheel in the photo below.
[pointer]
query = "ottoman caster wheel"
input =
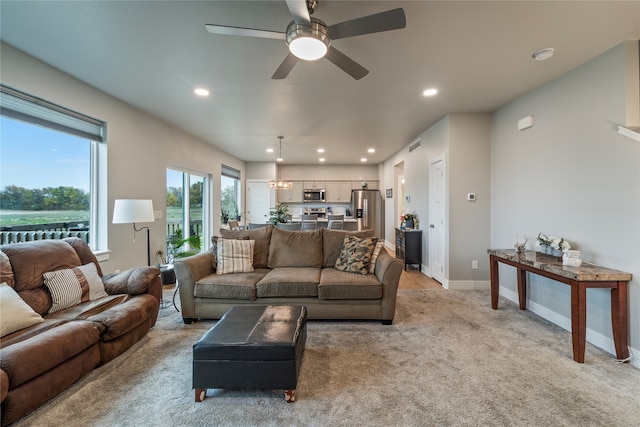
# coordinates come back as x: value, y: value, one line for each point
x: 290, y: 395
x: 200, y: 394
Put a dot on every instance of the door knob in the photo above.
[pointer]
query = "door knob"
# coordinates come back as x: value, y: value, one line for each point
x: 432, y: 226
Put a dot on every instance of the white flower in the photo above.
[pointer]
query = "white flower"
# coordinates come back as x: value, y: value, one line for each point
x: 555, y: 242
x: 565, y: 246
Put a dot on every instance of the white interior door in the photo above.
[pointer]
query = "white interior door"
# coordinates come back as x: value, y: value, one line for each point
x: 437, y: 201
x: 260, y: 199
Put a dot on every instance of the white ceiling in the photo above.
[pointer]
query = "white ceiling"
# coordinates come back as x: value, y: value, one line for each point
x: 152, y: 54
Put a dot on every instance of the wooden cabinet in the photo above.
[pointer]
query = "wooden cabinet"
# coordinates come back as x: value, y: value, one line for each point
x: 409, y: 247
x: 291, y: 195
x: 314, y: 185
x: 338, y: 192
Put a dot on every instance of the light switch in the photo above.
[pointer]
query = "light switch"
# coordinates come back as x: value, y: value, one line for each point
x: 157, y: 214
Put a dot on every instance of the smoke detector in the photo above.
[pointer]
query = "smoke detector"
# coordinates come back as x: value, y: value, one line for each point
x: 542, y: 54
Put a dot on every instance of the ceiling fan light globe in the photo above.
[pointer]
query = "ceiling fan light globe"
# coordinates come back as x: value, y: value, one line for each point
x: 308, y: 48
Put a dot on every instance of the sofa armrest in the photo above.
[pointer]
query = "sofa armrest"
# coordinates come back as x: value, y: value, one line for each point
x: 188, y: 272
x: 388, y: 271
x: 135, y: 281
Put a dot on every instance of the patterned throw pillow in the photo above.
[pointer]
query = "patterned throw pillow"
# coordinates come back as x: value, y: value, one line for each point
x: 71, y: 286
x: 235, y: 256
x: 374, y: 257
x: 356, y: 254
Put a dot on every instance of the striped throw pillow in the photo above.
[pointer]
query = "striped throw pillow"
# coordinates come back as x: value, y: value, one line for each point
x: 374, y: 257
x: 71, y: 286
x: 235, y: 256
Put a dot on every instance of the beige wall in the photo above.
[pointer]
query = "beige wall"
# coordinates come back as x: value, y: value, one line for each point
x: 139, y: 149
x: 571, y: 175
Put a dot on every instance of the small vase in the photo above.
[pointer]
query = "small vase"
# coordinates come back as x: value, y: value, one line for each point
x: 556, y: 252
x: 409, y: 224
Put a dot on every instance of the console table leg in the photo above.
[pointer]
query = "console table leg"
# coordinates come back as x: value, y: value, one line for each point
x: 578, y: 320
x: 522, y: 288
x: 619, y: 322
x: 495, y: 286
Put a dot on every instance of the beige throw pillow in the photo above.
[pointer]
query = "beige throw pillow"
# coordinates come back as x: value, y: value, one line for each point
x: 71, y: 286
x: 374, y: 257
x: 235, y: 256
x: 15, y: 314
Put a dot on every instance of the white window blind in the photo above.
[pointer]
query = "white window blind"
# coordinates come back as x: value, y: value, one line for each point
x: 230, y: 172
x: 21, y: 106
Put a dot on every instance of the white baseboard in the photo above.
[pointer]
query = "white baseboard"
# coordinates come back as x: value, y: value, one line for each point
x: 593, y: 337
x: 468, y: 285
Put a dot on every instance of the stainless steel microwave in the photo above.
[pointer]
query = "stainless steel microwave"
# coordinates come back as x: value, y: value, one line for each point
x: 313, y: 196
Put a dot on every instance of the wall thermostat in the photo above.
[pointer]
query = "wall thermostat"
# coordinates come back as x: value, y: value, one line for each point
x: 471, y: 197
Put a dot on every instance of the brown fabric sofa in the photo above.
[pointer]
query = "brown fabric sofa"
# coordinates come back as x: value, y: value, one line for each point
x: 40, y: 361
x: 294, y: 268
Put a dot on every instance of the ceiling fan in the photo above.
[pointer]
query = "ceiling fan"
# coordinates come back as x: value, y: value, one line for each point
x: 310, y: 38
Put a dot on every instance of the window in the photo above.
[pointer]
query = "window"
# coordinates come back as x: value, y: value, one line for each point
x: 187, y: 223
x: 229, y: 188
x: 49, y: 180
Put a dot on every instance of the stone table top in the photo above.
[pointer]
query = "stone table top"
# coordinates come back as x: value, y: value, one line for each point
x: 586, y: 272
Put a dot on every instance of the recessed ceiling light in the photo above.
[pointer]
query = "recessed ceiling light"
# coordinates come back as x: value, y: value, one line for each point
x: 320, y: 150
x: 430, y: 92
x: 279, y: 159
x: 201, y: 92
x: 269, y: 150
x: 371, y: 150
x: 542, y: 54
x: 321, y: 159
x: 364, y: 159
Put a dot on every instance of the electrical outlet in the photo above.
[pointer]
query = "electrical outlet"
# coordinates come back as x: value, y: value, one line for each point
x: 474, y: 264
x: 157, y: 214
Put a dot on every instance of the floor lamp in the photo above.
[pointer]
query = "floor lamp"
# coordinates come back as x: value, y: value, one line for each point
x: 130, y: 211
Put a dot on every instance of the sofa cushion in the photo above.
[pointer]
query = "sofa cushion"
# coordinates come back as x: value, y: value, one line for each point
x: 332, y: 241
x: 355, y: 255
x: 295, y: 249
x: 229, y: 286
x: 235, y: 256
x: 15, y: 314
x: 118, y: 320
x: 289, y: 282
x: 71, y: 286
x: 335, y: 284
x: 262, y: 236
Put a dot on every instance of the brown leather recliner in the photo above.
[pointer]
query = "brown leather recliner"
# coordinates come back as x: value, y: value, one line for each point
x: 39, y: 362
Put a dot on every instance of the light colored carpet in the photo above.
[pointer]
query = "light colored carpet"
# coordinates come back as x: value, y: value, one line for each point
x: 448, y: 359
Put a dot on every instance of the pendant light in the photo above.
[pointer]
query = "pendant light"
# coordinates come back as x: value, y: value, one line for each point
x: 279, y: 184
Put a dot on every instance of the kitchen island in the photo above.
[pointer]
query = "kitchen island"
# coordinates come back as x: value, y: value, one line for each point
x: 350, y: 224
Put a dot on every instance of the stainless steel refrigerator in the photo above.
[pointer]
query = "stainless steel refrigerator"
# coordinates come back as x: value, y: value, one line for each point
x: 367, y: 207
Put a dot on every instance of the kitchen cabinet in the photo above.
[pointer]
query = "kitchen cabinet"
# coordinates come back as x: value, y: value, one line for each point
x: 314, y: 185
x: 357, y: 185
x: 338, y: 192
x: 409, y: 247
x: 291, y: 195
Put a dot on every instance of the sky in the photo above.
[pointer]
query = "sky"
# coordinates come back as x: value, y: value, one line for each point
x: 36, y: 157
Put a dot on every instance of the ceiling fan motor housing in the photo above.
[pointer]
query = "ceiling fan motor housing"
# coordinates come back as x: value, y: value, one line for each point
x: 308, y: 42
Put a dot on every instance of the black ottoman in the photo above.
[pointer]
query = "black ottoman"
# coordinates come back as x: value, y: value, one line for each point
x: 258, y: 347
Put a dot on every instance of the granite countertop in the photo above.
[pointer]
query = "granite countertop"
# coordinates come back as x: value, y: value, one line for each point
x: 550, y: 264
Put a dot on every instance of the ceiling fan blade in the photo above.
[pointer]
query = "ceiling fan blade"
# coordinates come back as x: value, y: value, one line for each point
x: 285, y: 68
x: 347, y: 64
x: 378, y: 22
x: 298, y: 9
x: 239, y: 31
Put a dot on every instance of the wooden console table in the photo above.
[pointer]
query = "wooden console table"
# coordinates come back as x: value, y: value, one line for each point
x: 579, y: 278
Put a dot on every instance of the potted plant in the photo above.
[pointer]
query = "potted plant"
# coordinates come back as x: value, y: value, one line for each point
x: 279, y: 214
x: 176, y: 246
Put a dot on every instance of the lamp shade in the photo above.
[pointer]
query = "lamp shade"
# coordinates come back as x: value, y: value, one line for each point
x: 127, y: 211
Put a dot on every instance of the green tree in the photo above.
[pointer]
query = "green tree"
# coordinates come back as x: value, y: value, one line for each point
x: 195, y: 194
x: 174, y: 197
